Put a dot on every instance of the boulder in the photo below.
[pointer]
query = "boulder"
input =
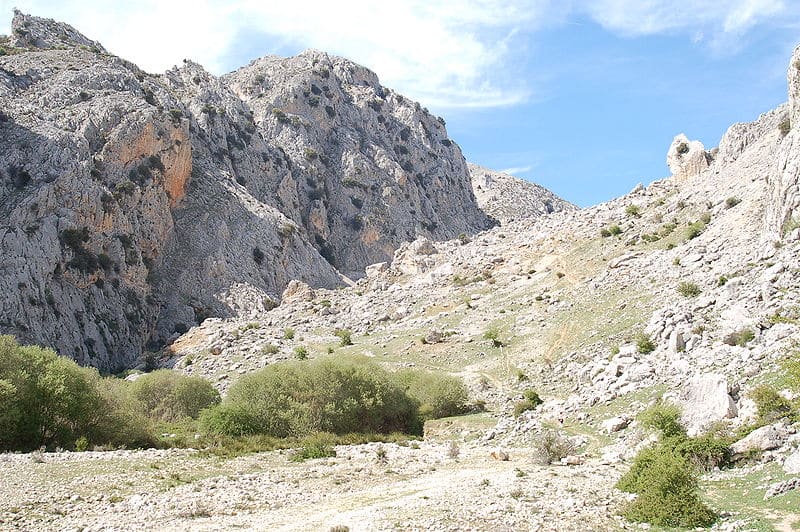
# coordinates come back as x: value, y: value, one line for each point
x: 763, y: 439
x: 706, y: 400
x: 297, y: 291
x: 791, y: 466
x: 614, y: 424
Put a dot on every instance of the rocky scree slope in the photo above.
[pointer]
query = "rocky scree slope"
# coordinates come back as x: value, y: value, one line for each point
x: 134, y: 206
x: 705, y: 263
x: 506, y: 198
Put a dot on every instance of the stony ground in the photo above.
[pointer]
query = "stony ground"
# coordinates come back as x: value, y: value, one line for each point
x: 419, y: 486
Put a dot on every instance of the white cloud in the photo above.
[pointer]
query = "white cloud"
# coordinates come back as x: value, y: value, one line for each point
x: 456, y: 53
x: 451, y: 54
x: 516, y: 170
x: 716, y: 17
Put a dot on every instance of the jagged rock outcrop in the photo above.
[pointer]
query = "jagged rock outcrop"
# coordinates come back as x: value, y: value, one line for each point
x: 505, y: 197
x: 34, y: 32
x: 370, y: 169
x: 783, y: 212
x: 687, y: 158
x: 134, y: 206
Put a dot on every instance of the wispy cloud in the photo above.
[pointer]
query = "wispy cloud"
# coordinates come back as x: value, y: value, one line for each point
x: 516, y: 170
x: 712, y: 21
x: 459, y: 53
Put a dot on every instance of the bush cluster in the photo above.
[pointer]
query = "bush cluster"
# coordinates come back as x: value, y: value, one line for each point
x: 664, y: 476
x: 530, y: 402
x: 335, y: 395
x: 170, y: 396
x: 438, y: 395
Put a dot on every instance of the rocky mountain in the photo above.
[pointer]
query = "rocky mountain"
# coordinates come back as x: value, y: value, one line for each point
x: 135, y: 206
x: 507, y: 198
x: 685, y: 290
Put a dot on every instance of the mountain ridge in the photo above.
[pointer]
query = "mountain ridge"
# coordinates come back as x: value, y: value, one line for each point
x: 138, y: 205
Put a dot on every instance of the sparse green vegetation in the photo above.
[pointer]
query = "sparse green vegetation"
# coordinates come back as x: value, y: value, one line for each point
x: 316, y: 445
x: 771, y: 406
x: 663, y: 476
x: 633, y: 210
x: 644, y: 344
x: 288, y: 333
x: 551, y: 446
x: 688, y: 289
x: 741, y: 337
x: 493, y: 334
x: 300, y: 353
x: 732, y: 202
x: 612, y: 230
x: 530, y: 402
x: 345, y: 337
x: 695, y: 229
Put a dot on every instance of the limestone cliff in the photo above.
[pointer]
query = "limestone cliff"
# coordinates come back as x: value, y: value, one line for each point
x: 134, y: 206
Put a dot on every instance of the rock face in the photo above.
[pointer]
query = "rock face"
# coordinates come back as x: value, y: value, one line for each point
x: 783, y: 212
x: 506, y: 198
x: 368, y: 168
x: 134, y: 206
x: 686, y: 158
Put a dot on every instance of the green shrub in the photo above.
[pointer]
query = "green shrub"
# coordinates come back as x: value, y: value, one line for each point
x: 438, y: 395
x: 732, y: 202
x: 316, y: 445
x: 644, y: 344
x: 493, y: 334
x: 694, y: 230
x: 170, y: 396
x: 667, y: 490
x: 50, y: 401
x: 300, y: 353
x: 288, y: 333
x: 664, y: 417
x: 632, y: 210
x: 615, y: 229
x: 771, y: 406
x: 269, y: 349
x: 605, y: 233
x: 530, y: 402
x: 688, y: 289
x: 785, y: 126
x: 667, y: 229
x: 792, y: 369
x: 742, y: 337
x: 298, y: 398
x: 704, y: 452
x: 345, y: 337
x: 230, y: 420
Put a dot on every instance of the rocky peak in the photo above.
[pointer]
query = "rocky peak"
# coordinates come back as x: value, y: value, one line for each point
x: 370, y: 169
x: 28, y: 31
x: 505, y: 197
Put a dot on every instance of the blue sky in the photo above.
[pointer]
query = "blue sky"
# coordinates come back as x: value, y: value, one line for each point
x: 581, y: 96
